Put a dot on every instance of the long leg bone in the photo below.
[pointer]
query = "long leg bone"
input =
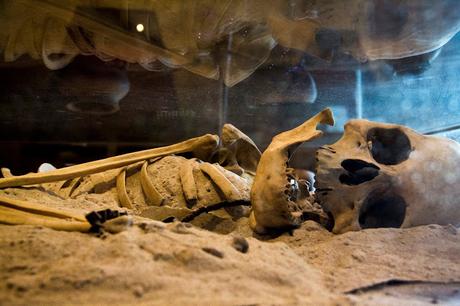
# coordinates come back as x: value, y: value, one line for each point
x: 60, y: 188
x: 201, y: 147
x: 13, y: 211
x: 271, y: 199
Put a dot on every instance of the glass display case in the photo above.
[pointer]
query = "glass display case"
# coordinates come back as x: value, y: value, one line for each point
x: 93, y: 89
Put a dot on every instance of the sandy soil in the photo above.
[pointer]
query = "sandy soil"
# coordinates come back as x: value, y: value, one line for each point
x: 159, y: 263
x: 152, y: 264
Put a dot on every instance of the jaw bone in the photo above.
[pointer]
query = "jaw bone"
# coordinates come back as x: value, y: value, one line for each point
x: 273, y: 203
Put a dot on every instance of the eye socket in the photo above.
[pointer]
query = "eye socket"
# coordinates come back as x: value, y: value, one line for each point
x: 389, y: 146
x: 382, y: 210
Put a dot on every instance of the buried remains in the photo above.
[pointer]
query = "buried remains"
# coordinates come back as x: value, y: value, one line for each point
x: 376, y: 175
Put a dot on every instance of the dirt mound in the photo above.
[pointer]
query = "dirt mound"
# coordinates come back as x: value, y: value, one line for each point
x: 152, y: 263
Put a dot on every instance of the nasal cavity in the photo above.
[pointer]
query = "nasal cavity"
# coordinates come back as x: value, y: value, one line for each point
x: 358, y: 172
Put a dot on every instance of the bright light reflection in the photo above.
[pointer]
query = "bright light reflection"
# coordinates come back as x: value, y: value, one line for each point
x: 140, y: 27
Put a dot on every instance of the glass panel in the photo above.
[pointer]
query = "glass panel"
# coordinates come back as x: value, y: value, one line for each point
x: 152, y: 151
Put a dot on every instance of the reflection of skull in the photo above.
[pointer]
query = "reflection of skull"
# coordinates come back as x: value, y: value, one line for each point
x: 384, y: 175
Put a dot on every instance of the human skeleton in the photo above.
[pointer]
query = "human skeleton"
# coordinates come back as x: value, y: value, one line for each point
x: 198, y: 185
x: 373, y: 169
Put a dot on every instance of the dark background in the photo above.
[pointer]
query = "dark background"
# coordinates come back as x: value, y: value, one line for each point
x: 167, y: 106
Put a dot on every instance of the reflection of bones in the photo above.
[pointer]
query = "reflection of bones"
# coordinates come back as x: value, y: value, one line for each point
x: 225, y: 38
x: 200, y: 184
x: 57, y: 32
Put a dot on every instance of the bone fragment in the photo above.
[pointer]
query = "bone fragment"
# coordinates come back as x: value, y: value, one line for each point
x: 118, y: 225
x: 13, y: 211
x: 271, y: 205
x: 188, y: 181
x: 6, y: 172
x: 201, y: 147
x: 38, y: 208
x: 152, y: 194
x: 241, y: 148
x: 14, y: 217
x: 121, y: 190
x: 228, y: 189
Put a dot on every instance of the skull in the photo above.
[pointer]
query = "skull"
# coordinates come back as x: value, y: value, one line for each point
x: 386, y: 175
